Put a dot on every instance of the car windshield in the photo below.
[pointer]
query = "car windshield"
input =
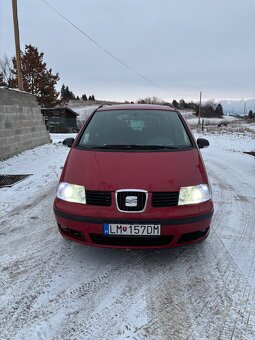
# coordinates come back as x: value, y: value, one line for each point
x: 135, y: 129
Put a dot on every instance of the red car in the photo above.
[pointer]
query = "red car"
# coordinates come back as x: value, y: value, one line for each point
x: 134, y: 178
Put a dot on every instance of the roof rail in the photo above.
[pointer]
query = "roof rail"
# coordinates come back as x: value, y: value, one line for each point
x: 104, y: 105
x: 170, y: 105
x: 94, y: 111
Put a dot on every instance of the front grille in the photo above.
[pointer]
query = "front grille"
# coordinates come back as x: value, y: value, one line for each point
x: 165, y: 199
x: 131, y: 241
x: 140, y: 199
x: 102, y: 198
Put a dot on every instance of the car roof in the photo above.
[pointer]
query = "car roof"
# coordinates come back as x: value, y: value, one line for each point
x: 108, y: 107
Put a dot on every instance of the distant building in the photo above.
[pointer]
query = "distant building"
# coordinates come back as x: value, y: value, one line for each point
x: 60, y: 119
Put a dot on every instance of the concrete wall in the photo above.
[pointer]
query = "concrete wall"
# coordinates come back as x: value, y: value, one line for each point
x: 21, y: 123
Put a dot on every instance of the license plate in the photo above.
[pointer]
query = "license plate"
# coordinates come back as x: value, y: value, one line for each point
x: 132, y: 229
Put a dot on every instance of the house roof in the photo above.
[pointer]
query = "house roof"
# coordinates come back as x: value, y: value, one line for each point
x: 60, y: 108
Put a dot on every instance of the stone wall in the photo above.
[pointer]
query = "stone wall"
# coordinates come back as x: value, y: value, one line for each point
x: 22, y: 125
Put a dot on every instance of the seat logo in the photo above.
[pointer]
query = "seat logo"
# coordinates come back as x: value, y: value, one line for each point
x: 131, y: 201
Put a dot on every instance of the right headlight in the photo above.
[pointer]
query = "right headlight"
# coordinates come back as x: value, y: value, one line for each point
x: 71, y: 193
x: 194, y: 194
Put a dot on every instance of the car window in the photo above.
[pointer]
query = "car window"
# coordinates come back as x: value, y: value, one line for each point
x: 136, y: 128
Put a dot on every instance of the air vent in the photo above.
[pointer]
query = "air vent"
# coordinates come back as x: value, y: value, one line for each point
x: 193, y: 236
x: 131, y: 241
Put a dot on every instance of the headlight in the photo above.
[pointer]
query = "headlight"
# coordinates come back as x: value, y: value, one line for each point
x: 194, y: 194
x: 71, y: 193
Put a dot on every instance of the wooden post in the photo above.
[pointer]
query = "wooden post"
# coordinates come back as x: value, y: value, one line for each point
x: 17, y: 44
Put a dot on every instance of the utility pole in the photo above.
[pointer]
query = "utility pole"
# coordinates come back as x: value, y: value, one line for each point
x: 17, y: 44
x: 244, y: 109
x: 199, y: 110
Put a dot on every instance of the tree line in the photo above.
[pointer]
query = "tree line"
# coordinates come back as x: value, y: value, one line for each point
x: 66, y: 94
x: 208, y: 109
x: 38, y: 79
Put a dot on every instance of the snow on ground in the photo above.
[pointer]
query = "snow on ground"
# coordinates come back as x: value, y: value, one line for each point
x: 232, y: 175
x: 84, y: 112
x: 44, y: 163
x: 252, y: 127
x: 51, y: 288
x: 193, y: 120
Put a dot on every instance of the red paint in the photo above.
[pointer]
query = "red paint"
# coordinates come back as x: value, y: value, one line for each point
x: 165, y: 171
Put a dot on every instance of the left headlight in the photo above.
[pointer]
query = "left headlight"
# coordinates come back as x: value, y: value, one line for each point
x: 71, y: 193
x: 194, y: 194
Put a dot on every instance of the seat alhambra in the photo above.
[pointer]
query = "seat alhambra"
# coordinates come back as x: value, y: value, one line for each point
x: 134, y: 178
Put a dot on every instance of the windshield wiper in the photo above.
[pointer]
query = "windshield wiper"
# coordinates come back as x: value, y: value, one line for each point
x: 163, y: 147
x: 131, y: 147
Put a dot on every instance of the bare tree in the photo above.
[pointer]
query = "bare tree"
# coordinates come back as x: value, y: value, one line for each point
x: 151, y: 100
x: 6, y: 69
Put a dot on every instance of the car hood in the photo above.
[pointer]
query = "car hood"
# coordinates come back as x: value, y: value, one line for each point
x: 151, y: 171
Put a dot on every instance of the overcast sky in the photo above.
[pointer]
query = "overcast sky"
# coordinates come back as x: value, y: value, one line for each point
x: 185, y: 46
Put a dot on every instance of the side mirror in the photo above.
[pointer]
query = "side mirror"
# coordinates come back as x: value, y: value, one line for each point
x: 202, y: 143
x: 68, y: 142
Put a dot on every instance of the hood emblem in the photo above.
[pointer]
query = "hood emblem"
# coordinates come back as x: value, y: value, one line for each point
x: 131, y: 201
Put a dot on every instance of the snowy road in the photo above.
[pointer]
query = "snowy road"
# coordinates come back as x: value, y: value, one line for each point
x: 51, y: 288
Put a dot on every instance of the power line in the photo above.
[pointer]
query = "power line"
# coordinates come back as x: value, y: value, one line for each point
x: 105, y: 50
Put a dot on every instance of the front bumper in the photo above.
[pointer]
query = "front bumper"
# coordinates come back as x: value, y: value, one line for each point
x: 179, y: 225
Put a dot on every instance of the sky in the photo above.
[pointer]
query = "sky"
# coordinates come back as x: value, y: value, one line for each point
x: 182, y: 46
